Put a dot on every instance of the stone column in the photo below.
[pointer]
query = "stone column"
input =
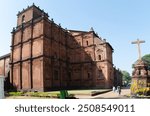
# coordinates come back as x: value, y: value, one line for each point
x: 1, y: 87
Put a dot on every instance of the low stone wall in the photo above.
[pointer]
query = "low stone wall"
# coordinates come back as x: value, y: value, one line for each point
x: 1, y: 87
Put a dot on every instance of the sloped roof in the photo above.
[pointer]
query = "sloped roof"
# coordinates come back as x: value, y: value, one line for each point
x: 5, y: 56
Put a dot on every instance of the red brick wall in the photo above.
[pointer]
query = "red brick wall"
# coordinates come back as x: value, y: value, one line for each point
x: 46, y: 56
x: 4, y: 66
x: 26, y: 81
x: 1, y: 67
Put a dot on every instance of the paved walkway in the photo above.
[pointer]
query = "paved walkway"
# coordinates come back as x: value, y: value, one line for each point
x: 108, y: 95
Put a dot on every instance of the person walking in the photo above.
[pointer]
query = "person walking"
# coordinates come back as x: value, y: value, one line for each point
x: 114, y: 89
x: 119, y: 90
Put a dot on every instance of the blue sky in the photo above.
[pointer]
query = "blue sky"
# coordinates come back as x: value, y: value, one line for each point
x: 119, y: 21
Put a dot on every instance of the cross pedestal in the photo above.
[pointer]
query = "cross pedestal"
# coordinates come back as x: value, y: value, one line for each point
x: 140, y: 79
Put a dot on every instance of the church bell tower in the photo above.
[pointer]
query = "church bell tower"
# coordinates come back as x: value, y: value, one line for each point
x: 27, y: 50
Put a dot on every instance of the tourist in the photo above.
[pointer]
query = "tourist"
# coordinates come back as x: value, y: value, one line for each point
x: 119, y: 90
x: 114, y: 89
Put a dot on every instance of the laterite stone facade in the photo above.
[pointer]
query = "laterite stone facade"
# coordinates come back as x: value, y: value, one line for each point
x: 44, y: 56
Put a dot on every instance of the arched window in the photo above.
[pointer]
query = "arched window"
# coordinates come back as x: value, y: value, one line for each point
x: 99, y: 57
x: 23, y: 18
x: 87, y: 43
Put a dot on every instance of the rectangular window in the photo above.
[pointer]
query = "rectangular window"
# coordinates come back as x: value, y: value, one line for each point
x: 100, y: 76
x: 56, y: 76
x: 79, y: 43
x: 69, y: 75
x: 89, y: 75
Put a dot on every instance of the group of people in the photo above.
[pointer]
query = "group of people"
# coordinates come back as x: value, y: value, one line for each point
x: 117, y: 89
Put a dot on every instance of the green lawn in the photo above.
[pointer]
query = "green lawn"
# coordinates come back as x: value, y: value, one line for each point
x: 55, y: 94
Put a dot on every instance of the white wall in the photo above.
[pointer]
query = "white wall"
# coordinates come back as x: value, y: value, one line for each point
x: 1, y: 87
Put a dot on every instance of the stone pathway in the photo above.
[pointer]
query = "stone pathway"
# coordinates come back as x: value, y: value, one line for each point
x: 108, y: 95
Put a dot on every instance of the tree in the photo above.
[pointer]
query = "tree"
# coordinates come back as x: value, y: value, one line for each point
x: 146, y: 58
x: 126, y: 78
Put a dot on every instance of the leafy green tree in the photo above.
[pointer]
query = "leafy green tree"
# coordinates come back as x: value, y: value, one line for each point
x: 126, y: 77
x: 146, y: 58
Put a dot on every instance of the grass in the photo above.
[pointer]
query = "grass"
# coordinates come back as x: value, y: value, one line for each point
x: 34, y: 94
x: 54, y: 94
x: 15, y: 93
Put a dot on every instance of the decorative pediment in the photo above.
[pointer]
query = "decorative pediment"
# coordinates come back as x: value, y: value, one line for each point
x: 99, y: 50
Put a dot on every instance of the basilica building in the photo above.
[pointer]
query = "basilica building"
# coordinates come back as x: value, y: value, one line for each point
x: 44, y: 56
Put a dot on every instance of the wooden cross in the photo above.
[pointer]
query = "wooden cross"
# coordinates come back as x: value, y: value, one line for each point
x: 138, y: 42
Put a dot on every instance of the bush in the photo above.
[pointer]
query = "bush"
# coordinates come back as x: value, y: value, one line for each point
x: 135, y: 89
x: 143, y: 91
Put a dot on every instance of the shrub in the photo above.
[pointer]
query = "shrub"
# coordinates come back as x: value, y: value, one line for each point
x: 135, y: 89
